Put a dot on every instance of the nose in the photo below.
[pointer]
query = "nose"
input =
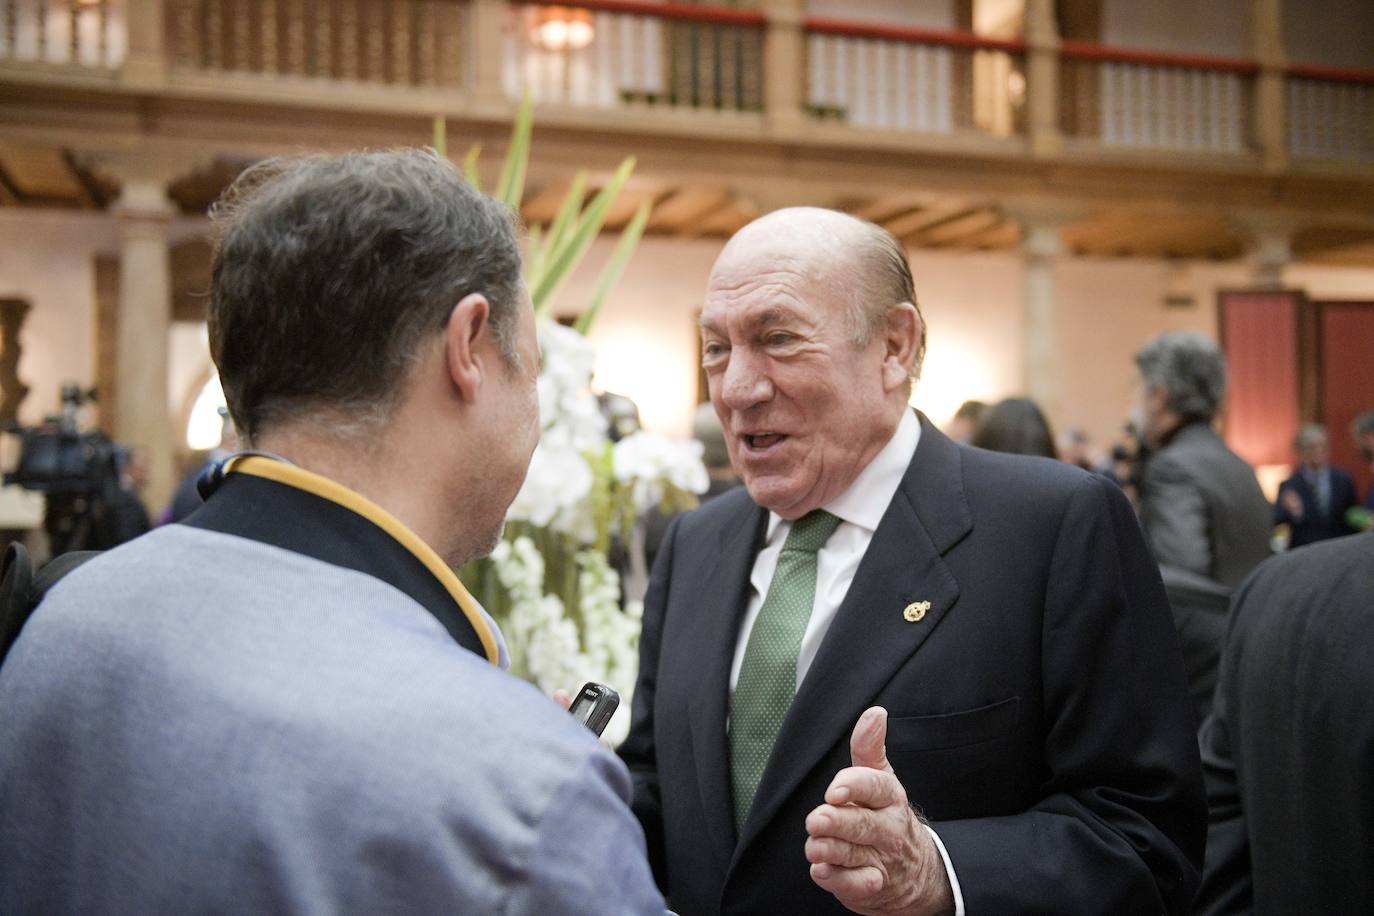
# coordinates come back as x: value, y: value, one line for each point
x: 746, y: 382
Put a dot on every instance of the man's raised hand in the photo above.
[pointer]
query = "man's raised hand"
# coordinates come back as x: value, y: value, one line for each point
x: 866, y: 844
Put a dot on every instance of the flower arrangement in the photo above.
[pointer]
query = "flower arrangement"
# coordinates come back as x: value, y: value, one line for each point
x: 550, y: 584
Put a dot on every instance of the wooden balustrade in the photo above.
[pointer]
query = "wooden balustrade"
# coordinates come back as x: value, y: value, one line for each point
x: 69, y: 32
x: 1330, y: 113
x: 388, y: 42
x: 1147, y: 100
x: 626, y: 54
x: 913, y: 79
x: 636, y: 54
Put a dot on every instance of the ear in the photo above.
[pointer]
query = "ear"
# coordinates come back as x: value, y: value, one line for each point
x: 1158, y: 398
x: 901, y: 342
x: 468, y: 324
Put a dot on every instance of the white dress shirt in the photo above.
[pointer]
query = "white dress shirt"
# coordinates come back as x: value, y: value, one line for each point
x: 859, y: 509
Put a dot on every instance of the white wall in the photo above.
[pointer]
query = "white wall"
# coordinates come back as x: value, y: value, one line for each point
x: 1216, y: 27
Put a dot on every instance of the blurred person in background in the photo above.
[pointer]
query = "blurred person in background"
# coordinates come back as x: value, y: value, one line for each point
x: 187, y: 497
x: 1314, y: 501
x: 647, y: 535
x: 965, y: 422
x: 1363, y: 431
x: 1200, y: 505
x: 1287, y: 750
x: 127, y: 514
x: 1076, y: 448
x: 1016, y: 426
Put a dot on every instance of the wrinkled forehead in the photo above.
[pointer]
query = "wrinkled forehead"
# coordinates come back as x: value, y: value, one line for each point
x: 767, y: 276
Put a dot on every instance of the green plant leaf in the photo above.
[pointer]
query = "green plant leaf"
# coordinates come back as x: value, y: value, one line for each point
x: 532, y: 244
x: 567, y: 255
x: 511, y: 187
x: 610, y: 274
x: 567, y: 212
x: 441, y: 136
x: 470, y: 166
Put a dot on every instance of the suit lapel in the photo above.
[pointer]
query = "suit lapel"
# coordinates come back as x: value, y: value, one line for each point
x: 724, y: 597
x: 870, y: 637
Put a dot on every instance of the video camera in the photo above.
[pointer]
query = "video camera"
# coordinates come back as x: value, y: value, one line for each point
x: 78, y: 472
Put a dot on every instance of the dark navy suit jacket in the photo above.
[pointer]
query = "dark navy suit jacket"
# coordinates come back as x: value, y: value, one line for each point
x: 1316, y: 525
x: 1038, y: 712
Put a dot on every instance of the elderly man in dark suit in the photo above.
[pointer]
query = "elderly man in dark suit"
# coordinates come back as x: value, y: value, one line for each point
x: 1290, y: 788
x: 1314, y: 501
x: 894, y: 674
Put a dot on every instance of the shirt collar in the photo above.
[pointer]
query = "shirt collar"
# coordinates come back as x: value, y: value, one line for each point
x: 867, y: 499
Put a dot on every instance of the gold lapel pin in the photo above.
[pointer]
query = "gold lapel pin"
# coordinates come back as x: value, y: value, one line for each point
x: 915, y: 611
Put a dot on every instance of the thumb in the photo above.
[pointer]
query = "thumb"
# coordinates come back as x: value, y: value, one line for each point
x: 868, y: 743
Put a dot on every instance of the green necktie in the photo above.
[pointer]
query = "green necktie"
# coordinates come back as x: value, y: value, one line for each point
x: 768, y: 674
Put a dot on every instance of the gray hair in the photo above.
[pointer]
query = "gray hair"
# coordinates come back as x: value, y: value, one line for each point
x: 1190, y: 369
x: 1309, y: 434
x: 330, y: 273
x: 1364, y: 424
x: 884, y: 281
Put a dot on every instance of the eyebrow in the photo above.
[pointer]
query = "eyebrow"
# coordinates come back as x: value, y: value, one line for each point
x: 774, y: 314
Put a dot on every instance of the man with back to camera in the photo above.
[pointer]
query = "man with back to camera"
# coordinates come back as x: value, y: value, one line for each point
x: 289, y: 703
x: 883, y: 619
x: 1290, y: 789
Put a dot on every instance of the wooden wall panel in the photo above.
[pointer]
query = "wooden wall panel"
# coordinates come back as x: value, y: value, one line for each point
x: 1347, y: 378
x: 1259, y: 334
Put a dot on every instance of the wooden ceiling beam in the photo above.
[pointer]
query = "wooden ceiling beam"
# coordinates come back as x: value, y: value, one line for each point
x: 685, y: 206
x: 881, y: 209
x: 949, y: 232
x: 904, y: 227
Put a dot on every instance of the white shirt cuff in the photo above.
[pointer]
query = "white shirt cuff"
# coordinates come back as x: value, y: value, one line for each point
x: 949, y: 870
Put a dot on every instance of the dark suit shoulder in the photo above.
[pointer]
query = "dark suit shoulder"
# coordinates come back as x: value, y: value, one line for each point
x: 1016, y: 481
x: 713, y: 519
x: 1302, y: 568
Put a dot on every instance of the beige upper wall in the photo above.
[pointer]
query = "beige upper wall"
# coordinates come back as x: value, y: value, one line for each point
x: 47, y: 259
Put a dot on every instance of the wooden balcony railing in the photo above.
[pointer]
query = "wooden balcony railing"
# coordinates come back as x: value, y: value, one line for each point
x: 637, y: 54
x: 1330, y: 113
x: 913, y: 79
x: 618, y: 55
x: 82, y: 34
x: 404, y: 43
x: 1148, y: 100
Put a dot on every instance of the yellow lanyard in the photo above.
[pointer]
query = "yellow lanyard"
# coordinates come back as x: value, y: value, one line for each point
x: 323, y: 487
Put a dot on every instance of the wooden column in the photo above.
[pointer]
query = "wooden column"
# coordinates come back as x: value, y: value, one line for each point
x: 1042, y: 80
x: 487, y: 43
x: 1270, y: 101
x: 141, y: 415
x: 1040, y: 248
x: 146, y: 62
x: 784, y: 67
